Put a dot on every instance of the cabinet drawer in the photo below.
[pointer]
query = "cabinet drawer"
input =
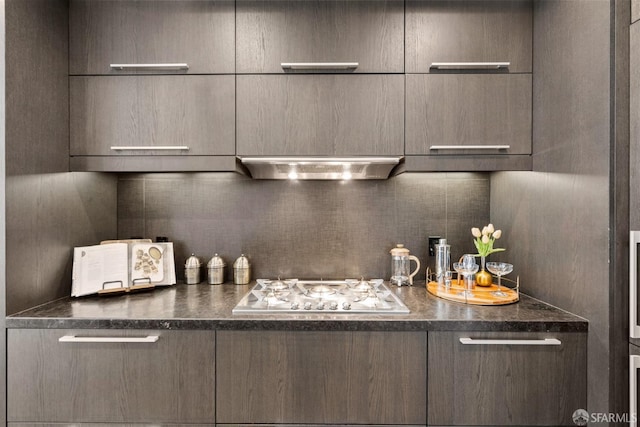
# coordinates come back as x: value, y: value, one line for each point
x: 192, y: 114
x: 506, y: 382
x: 469, y: 31
x: 320, y: 114
x: 199, y: 33
x: 368, y: 32
x: 479, y: 111
x: 170, y: 380
x: 321, y: 377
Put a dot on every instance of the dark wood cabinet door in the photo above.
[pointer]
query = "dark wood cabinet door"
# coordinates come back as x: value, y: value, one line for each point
x: 192, y: 112
x: 369, y: 32
x: 458, y: 110
x: 326, y: 114
x: 469, y: 31
x: 171, y: 380
x: 200, y: 33
x: 321, y: 377
x: 506, y: 384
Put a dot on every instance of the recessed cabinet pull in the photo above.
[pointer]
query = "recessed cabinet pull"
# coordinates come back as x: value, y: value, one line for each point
x: 73, y: 338
x: 149, y: 147
x: 469, y: 65
x: 469, y: 147
x: 319, y: 65
x: 169, y: 66
x: 545, y: 341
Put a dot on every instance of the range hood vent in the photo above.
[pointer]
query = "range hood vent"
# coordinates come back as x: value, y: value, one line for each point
x: 320, y: 168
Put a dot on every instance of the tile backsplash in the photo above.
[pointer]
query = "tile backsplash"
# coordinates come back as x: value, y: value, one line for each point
x: 305, y: 229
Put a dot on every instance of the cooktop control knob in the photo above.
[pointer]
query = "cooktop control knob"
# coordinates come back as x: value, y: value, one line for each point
x: 320, y: 306
x: 333, y: 305
x: 346, y: 306
x: 295, y: 306
x: 307, y: 306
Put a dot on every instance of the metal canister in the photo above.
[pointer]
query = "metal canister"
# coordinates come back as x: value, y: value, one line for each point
x: 192, y: 270
x: 241, y: 271
x: 215, y: 267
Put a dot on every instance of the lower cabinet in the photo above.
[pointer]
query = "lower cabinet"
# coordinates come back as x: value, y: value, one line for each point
x: 293, y: 378
x: 506, y: 378
x: 110, y: 376
x: 318, y: 377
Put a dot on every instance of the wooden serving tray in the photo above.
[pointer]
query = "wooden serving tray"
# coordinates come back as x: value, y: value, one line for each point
x: 482, y: 295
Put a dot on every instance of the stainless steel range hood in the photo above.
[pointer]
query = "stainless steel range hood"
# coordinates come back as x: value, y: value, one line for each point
x: 321, y: 168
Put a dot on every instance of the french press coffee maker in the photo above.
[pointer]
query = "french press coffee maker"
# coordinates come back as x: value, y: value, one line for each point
x: 400, y: 266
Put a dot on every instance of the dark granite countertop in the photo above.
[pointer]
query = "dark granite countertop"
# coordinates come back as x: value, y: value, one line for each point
x: 209, y: 307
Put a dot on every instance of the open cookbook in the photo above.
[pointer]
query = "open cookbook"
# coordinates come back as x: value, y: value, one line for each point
x: 119, y: 266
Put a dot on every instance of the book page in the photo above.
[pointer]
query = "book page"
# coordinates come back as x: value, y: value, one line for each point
x: 99, y: 267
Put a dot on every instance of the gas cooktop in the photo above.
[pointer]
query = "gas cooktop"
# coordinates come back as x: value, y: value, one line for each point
x: 319, y: 296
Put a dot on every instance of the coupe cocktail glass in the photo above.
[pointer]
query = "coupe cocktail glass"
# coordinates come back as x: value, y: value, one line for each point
x: 499, y: 269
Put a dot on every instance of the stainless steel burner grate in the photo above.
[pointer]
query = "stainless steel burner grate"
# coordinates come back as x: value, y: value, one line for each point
x: 344, y: 296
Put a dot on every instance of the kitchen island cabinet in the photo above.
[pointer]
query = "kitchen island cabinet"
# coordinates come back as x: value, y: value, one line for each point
x: 311, y: 369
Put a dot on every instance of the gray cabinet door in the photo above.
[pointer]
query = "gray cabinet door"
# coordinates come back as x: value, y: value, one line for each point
x: 196, y: 112
x: 321, y: 377
x: 468, y: 109
x: 326, y: 114
x: 506, y: 384
x: 469, y: 31
x: 171, y: 380
x: 369, y: 32
x: 200, y: 33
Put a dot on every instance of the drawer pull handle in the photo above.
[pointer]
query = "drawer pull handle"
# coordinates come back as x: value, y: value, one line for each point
x: 73, y: 338
x: 122, y: 67
x: 149, y: 147
x: 469, y: 147
x: 319, y: 65
x: 469, y: 65
x: 545, y: 341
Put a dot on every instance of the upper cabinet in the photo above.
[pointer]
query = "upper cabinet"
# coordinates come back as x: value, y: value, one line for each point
x: 319, y: 115
x: 152, y: 115
x: 169, y: 36
x: 460, y: 34
x: 282, y: 36
x: 476, y: 114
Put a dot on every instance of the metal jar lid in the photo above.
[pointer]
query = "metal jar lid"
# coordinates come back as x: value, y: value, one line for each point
x: 216, y: 262
x: 241, y: 262
x: 192, y: 262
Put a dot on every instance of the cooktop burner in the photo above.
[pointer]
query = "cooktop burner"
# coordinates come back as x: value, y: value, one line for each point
x: 315, y: 296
